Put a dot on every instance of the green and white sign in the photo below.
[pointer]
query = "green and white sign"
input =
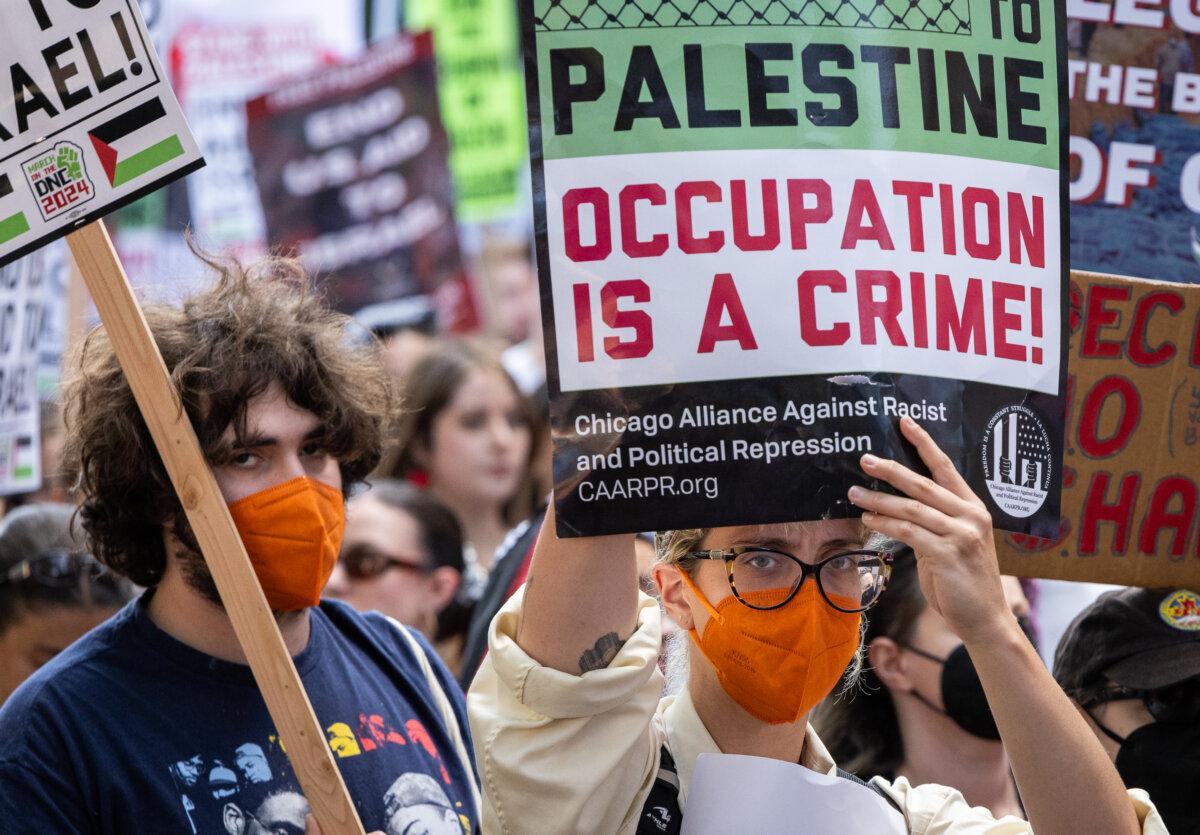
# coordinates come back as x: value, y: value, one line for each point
x: 766, y: 209
x: 88, y: 122
x: 482, y: 100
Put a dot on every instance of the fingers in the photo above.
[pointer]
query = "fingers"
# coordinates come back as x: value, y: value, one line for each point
x: 902, y: 507
x: 938, y: 462
x: 918, y: 487
x: 311, y: 827
x: 922, y: 540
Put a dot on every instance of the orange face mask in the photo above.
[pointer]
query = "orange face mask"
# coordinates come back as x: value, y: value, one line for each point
x: 778, y: 663
x: 292, y: 532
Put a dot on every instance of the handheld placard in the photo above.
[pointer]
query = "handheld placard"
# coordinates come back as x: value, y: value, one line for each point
x: 92, y: 124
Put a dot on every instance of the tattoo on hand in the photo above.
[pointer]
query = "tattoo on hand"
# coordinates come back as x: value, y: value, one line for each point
x: 602, y: 654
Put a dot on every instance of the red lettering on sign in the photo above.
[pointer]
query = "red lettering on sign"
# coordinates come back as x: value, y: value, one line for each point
x: 684, y: 194
x: 1097, y: 510
x: 1139, y: 346
x: 801, y: 215
x: 1024, y: 232
x: 1003, y: 321
x: 914, y: 192
x: 865, y: 207
x: 643, y: 340
x: 724, y: 297
x: 573, y: 201
x: 1159, y: 517
x: 972, y: 199
x: 965, y: 325
x: 886, y: 310
x: 812, y: 333
x: 627, y: 202
x: 1093, y: 404
x: 1099, y: 317
x: 769, y: 239
x: 583, y: 322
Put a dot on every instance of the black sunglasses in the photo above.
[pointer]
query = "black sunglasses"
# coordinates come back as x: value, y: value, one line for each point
x: 1175, y: 704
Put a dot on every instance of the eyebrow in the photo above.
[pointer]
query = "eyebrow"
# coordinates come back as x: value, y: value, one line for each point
x: 258, y: 440
x: 774, y: 543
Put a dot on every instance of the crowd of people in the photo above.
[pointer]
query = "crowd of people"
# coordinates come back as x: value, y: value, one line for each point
x: 473, y: 671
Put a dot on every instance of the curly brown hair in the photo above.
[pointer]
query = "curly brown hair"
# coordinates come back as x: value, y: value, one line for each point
x: 255, y: 325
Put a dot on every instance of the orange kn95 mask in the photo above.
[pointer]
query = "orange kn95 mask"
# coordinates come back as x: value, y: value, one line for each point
x: 293, y: 533
x: 777, y: 663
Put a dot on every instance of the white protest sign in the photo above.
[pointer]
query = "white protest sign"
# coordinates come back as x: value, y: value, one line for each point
x: 734, y: 793
x: 22, y: 286
x: 88, y: 121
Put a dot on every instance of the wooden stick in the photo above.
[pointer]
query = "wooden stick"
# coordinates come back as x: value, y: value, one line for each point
x: 208, y: 514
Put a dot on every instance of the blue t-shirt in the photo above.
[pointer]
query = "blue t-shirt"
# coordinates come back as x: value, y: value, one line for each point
x: 130, y: 730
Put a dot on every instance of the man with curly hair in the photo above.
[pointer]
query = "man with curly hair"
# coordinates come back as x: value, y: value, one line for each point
x: 154, y: 716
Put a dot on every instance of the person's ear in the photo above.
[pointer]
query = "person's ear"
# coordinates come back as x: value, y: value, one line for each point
x: 887, y: 660
x: 672, y: 593
x: 443, y: 585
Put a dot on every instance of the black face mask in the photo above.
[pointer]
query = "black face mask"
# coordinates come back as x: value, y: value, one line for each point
x: 962, y: 694
x: 1164, y: 759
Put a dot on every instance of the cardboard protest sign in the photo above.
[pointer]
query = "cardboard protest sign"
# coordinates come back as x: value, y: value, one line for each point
x: 1134, y: 87
x: 767, y: 230
x: 22, y: 288
x: 88, y: 122
x: 351, y: 164
x: 482, y: 98
x: 1131, y: 476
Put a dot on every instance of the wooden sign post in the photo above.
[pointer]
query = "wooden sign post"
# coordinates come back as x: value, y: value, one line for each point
x: 61, y: 171
x: 209, y: 517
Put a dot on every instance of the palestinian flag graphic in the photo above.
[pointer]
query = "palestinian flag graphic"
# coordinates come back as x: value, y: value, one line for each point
x: 23, y: 459
x: 134, y: 143
x: 10, y: 225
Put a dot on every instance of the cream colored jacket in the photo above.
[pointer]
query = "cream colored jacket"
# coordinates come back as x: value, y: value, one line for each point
x: 560, y: 753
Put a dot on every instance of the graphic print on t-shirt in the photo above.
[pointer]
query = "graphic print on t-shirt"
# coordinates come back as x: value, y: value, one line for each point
x: 251, y: 788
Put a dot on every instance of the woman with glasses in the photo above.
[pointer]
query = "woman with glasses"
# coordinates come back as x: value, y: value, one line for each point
x: 51, y: 590
x: 572, y: 734
x: 402, y: 555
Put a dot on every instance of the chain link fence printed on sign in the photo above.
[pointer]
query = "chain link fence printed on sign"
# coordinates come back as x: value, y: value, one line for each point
x: 951, y: 17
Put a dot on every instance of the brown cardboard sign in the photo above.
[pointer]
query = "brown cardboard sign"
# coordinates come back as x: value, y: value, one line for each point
x: 1131, y: 472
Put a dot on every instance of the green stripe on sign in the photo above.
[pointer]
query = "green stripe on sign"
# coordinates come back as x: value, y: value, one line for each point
x: 157, y: 154
x: 23, y: 472
x: 13, y: 226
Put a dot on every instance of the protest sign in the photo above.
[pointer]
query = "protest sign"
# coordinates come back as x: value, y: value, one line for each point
x: 482, y: 98
x: 91, y: 124
x: 1131, y: 476
x: 351, y: 165
x: 1134, y: 87
x: 766, y: 231
x: 22, y: 289
x: 85, y: 125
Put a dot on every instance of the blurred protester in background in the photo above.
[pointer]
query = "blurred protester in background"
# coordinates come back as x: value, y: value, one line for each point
x: 517, y: 313
x: 406, y: 327
x: 465, y: 435
x: 402, y: 555
x: 1131, y: 662
x: 919, y: 709
x: 51, y: 590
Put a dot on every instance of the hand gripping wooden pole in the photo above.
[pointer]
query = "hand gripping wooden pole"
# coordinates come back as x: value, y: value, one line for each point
x: 208, y: 514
